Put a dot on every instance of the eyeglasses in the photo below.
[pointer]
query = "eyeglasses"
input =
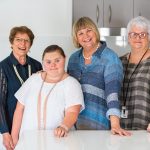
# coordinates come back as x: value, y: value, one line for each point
x: 20, y: 40
x: 134, y: 35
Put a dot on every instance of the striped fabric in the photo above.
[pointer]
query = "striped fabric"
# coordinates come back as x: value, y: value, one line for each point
x: 101, y: 82
x: 138, y: 96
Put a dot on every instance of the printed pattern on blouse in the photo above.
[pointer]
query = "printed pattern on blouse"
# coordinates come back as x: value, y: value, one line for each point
x: 101, y: 83
x: 3, y: 91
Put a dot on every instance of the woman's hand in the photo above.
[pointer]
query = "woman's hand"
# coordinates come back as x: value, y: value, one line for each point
x: 148, y: 128
x: 61, y: 131
x: 115, y: 127
x: 120, y: 131
x: 15, y: 140
x: 7, y: 141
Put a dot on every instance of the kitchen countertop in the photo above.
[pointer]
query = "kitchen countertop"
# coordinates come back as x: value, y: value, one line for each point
x: 84, y: 140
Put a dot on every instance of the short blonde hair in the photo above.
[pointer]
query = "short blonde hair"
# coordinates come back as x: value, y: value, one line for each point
x: 81, y: 23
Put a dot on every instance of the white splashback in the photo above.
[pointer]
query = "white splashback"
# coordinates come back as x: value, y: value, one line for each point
x: 117, y: 43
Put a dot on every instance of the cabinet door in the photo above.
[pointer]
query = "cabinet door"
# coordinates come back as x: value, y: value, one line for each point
x: 142, y: 8
x: 89, y: 8
x: 117, y: 13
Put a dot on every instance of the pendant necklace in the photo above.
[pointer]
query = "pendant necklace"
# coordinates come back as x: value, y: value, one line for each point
x: 18, y: 75
x: 42, y: 117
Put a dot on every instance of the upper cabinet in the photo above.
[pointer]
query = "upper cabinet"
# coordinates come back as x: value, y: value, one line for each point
x: 105, y: 13
x: 89, y: 8
x: 142, y: 8
x: 117, y: 13
x: 111, y: 13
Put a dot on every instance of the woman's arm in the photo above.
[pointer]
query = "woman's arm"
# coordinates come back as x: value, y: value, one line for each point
x: 148, y: 128
x: 71, y: 115
x: 17, y: 119
x: 7, y: 139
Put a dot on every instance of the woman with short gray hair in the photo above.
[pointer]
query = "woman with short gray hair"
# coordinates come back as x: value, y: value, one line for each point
x: 135, y: 95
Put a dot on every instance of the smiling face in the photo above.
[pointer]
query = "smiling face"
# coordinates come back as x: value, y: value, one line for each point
x: 87, y: 38
x: 138, y: 38
x: 21, y: 44
x: 54, y: 64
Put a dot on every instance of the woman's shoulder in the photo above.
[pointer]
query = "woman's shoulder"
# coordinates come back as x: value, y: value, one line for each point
x: 35, y: 77
x: 34, y: 61
x: 109, y: 52
x: 76, y: 54
x: 5, y: 61
x: 110, y: 56
x: 71, y: 80
x: 124, y: 57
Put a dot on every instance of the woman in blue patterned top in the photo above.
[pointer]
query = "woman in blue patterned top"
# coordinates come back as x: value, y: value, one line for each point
x: 135, y: 93
x: 14, y: 70
x: 99, y: 71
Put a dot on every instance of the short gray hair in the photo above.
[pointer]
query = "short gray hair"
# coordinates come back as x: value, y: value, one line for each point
x: 141, y: 22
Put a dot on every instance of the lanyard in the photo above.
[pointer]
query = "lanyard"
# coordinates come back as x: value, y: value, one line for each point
x: 128, y: 82
x: 40, y: 126
x: 18, y: 75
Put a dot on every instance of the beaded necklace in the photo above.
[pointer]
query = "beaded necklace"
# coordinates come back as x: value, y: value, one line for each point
x: 18, y: 75
x: 90, y: 57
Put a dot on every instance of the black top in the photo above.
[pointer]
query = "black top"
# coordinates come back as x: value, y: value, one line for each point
x: 9, y: 84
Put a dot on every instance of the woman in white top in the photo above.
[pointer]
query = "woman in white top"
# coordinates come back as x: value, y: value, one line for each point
x: 48, y: 100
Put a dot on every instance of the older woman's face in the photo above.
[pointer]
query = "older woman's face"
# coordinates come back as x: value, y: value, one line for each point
x: 87, y: 38
x: 54, y: 64
x: 138, y: 38
x: 21, y: 44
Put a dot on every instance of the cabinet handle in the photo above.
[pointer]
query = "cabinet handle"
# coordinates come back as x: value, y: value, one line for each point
x: 97, y: 14
x: 110, y: 13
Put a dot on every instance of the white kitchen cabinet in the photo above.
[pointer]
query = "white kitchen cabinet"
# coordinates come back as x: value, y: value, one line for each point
x: 89, y: 8
x: 142, y: 8
x: 105, y: 13
x: 117, y: 13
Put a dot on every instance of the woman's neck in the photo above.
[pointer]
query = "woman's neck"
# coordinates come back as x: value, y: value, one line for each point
x: 136, y: 55
x: 21, y: 59
x: 89, y: 51
x: 51, y: 79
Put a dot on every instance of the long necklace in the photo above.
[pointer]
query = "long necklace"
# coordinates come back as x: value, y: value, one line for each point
x: 125, y: 95
x: 18, y: 75
x: 42, y: 122
x: 90, y: 57
x: 39, y: 111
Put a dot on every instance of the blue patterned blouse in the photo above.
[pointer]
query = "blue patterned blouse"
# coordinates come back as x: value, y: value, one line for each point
x: 101, y: 83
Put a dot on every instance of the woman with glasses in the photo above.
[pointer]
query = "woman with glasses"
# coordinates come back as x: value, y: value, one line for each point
x: 135, y: 93
x: 49, y: 100
x: 14, y: 70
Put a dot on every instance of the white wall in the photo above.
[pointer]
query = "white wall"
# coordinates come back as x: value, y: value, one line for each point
x: 50, y: 21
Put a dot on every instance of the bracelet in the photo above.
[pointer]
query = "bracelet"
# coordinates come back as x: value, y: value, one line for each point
x: 64, y: 126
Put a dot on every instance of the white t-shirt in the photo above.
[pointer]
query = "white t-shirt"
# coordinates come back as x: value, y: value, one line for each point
x: 66, y: 93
